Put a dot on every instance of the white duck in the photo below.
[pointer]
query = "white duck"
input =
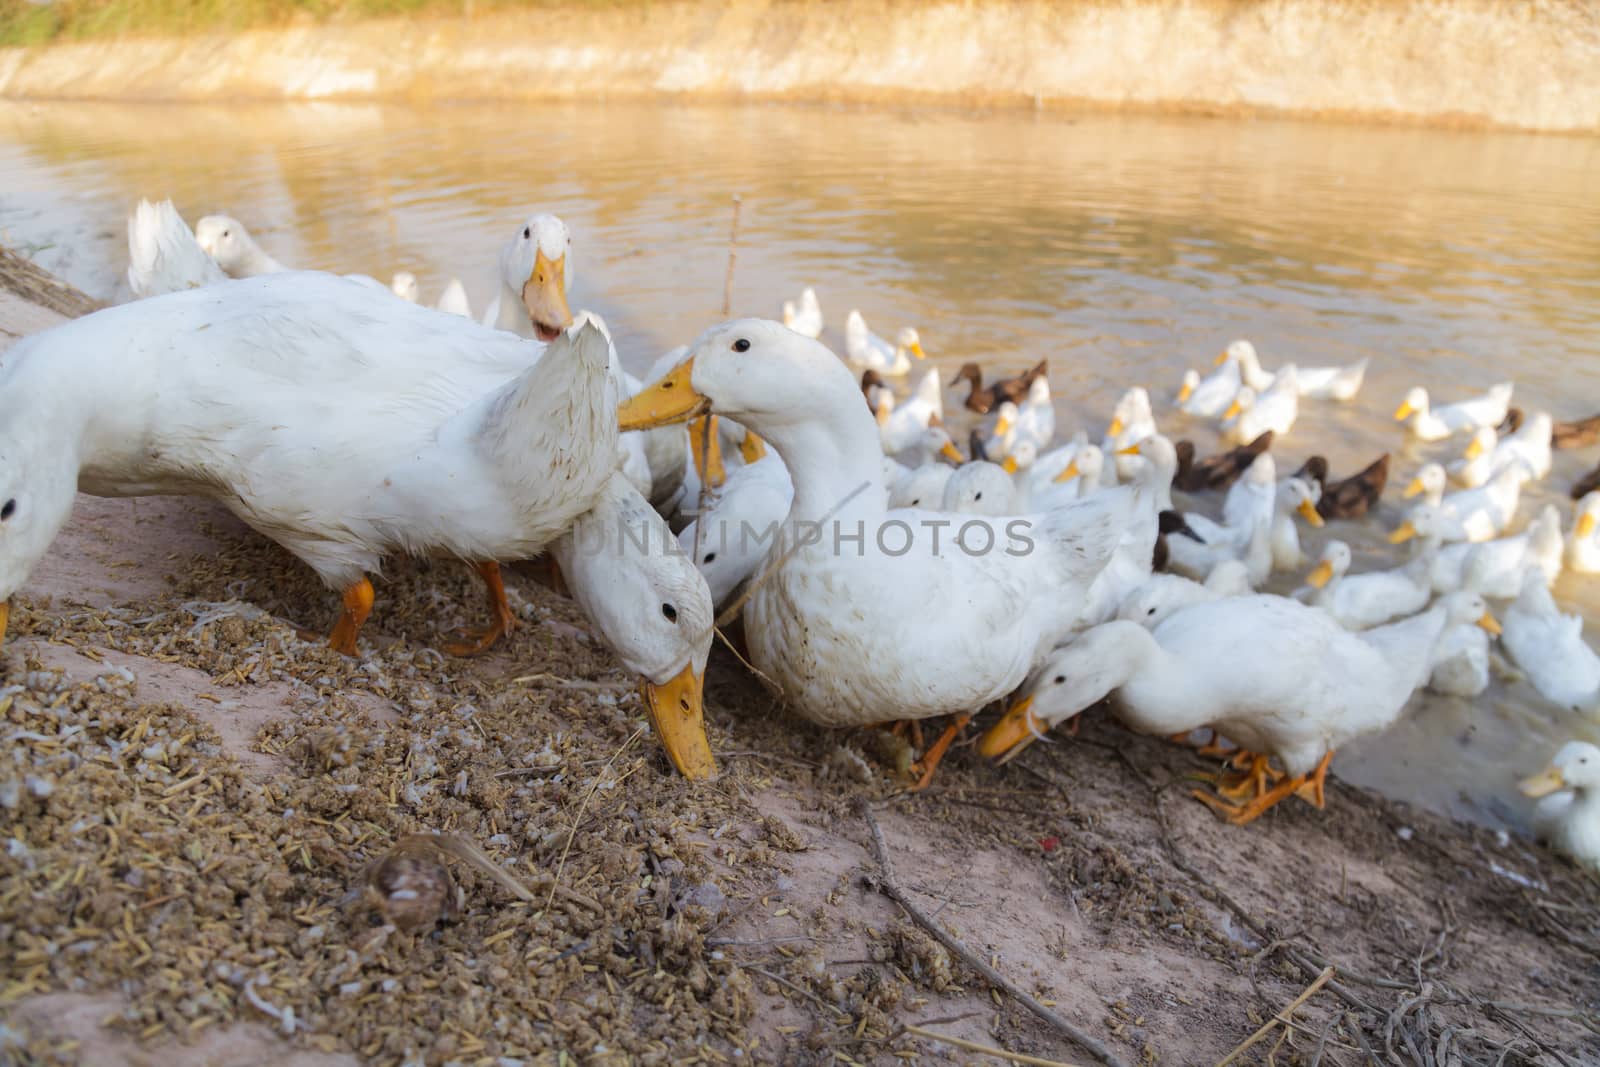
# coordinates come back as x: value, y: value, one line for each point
x: 806, y: 318
x: 652, y: 608
x: 1080, y: 477
x: 1362, y: 601
x: 921, y: 487
x: 1481, y: 513
x: 226, y: 241
x: 1529, y: 449
x: 1583, y: 547
x: 1032, y: 422
x: 1495, y: 568
x: 1568, y: 815
x: 1275, y: 676
x: 1550, y: 649
x: 867, y: 621
x: 865, y: 350
x: 901, y: 425
x: 1328, y: 383
x: 1427, y: 423
x: 1252, y: 505
x: 1252, y: 414
x: 1132, y: 420
x: 1209, y: 397
x: 163, y: 256
x: 982, y: 488
x: 340, y: 422
x: 535, y: 277
x: 1429, y: 483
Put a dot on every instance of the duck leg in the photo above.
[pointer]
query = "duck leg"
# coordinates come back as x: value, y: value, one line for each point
x: 1312, y: 789
x: 479, y: 642
x: 1254, y: 780
x: 930, y: 759
x: 357, y: 606
x: 1240, y: 814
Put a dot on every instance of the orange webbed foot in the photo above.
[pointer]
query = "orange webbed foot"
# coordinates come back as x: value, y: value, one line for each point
x: 478, y: 642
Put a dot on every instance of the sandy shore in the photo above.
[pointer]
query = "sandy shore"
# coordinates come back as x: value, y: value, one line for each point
x: 195, y: 791
x: 1459, y: 62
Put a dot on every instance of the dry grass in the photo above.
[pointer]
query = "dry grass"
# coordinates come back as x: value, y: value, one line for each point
x: 26, y: 22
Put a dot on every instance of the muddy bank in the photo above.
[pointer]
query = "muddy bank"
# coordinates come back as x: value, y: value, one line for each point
x: 1465, y: 62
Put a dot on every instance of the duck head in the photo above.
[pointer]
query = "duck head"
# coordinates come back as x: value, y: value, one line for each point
x: 224, y: 239
x: 38, y: 483
x: 1415, y: 403
x: 1072, y: 679
x: 1576, y: 766
x: 909, y: 340
x: 653, y: 608
x: 1334, y: 563
x: 536, y: 264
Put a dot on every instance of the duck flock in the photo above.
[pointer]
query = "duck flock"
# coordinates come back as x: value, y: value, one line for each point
x: 877, y: 572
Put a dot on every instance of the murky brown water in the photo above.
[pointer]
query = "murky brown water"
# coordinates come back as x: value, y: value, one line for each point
x: 1122, y: 248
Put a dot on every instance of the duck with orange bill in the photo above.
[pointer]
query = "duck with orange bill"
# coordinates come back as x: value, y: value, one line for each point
x: 535, y: 276
x: 859, y: 617
x: 1480, y: 514
x: 1347, y: 498
x: 1279, y: 678
x: 1583, y: 544
x: 1568, y: 791
x: 1033, y: 422
x: 652, y: 608
x: 1210, y: 396
x: 865, y: 350
x: 1132, y: 421
x: 334, y: 419
x: 1425, y: 422
x: 1252, y: 414
x: 1362, y: 601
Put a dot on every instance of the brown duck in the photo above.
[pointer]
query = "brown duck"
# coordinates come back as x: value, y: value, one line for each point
x: 1170, y: 522
x: 1580, y: 433
x: 1218, y: 471
x: 1353, y: 497
x: 1587, y: 484
x: 983, y: 398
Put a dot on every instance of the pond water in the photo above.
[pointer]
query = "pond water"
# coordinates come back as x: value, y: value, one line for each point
x: 1122, y: 248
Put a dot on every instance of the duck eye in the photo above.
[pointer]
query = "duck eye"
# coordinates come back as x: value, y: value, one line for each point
x: 526, y: 233
x: 741, y: 345
x: 8, y: 509
x: 710, y: 556
x: 670, y: 612
x: 224, y: 233
x: 1152, y: 611
x: 977, y: 498
x: 1060, y: 678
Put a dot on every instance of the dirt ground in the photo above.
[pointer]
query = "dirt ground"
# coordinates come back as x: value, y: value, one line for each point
x: 194, y: 796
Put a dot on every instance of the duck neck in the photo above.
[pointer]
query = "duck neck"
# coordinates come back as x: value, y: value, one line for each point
x: 834, y: 463
x: 513, y: 314
x: 1152, y: 682
x: 256, y: 261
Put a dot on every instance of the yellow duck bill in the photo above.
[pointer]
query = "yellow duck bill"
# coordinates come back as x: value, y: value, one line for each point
x: 1018, y: 728
x: 669, y: 401
x: 544, y: 295
x: 5, y: 620
x: 1308, y: 512
x: 678, y: 714
x: 1543, y: 784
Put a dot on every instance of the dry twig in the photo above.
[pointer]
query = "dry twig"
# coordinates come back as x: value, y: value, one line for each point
x: 1282, y: 1016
